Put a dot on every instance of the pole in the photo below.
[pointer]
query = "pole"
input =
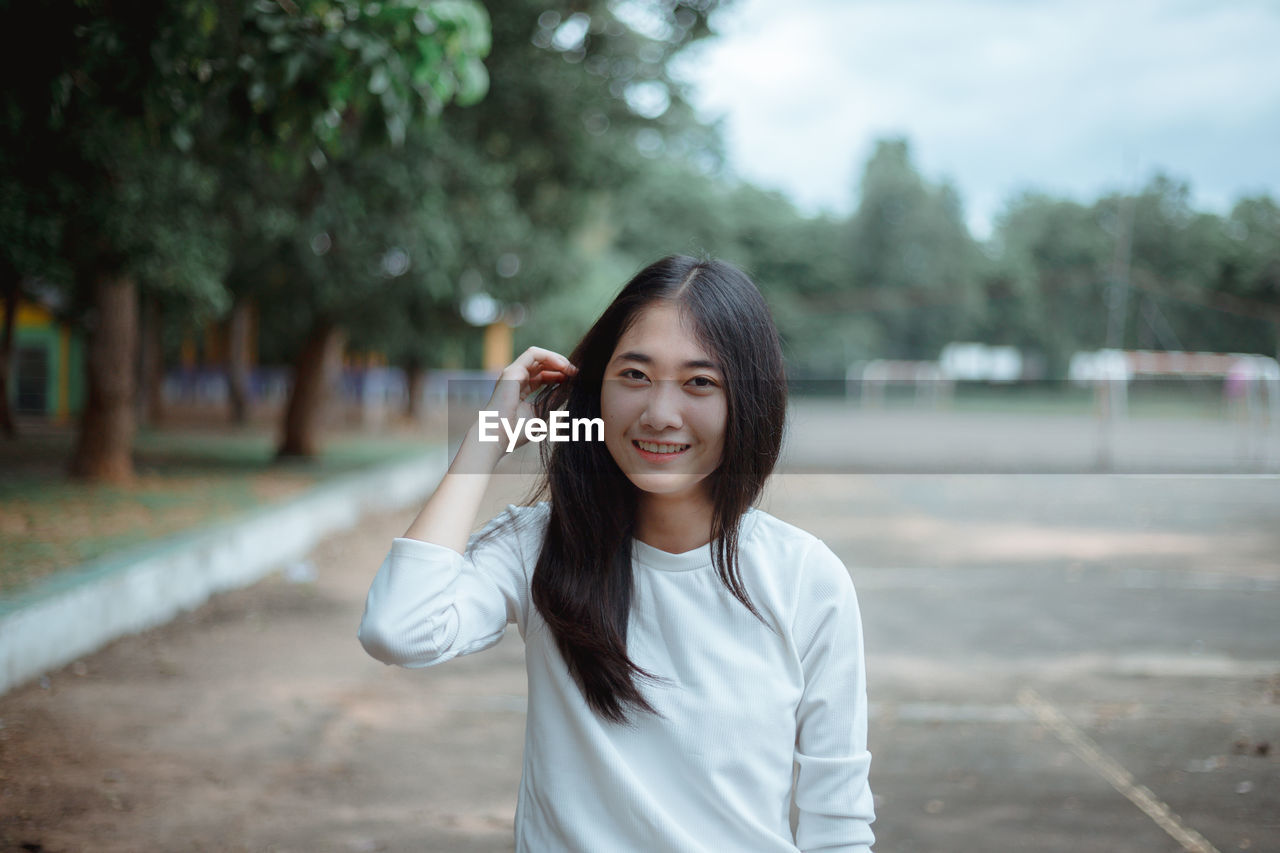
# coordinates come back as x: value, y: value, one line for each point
x: 1114, y: 391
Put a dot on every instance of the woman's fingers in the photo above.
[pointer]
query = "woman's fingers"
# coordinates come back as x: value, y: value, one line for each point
x: 538, y: 366
x: 534, y: 368
x: 536, y: 358
x: 547, y: 376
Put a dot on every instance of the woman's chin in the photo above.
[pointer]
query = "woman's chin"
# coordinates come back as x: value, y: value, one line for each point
x: 665, y: 484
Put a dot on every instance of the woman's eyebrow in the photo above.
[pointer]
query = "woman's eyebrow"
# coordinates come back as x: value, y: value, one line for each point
x: 644, y: 359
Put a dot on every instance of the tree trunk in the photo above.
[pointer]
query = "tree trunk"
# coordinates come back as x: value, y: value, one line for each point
x: 313, y: 374
x: 151, y: 362
x: 413, y: 378
x: 11, y: 282
x: 105, y: 444
x: 238, y: 361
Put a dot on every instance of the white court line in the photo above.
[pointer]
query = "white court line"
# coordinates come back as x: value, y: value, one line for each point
x: 929, y: 668
x: 946, y: 712
x: 882, y: 578
x: 1122, y: 780
x: 1263, y: 476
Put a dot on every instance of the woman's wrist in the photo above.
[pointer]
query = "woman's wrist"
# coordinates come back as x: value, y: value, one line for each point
x: 475, y: 456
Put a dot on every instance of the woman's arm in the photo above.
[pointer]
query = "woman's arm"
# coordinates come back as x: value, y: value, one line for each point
x: 833, y: 794
x: 433, y: 598
x: 451, y: 510
x: 429, y: 604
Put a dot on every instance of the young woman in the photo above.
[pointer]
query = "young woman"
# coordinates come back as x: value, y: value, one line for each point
x: 685, y: 650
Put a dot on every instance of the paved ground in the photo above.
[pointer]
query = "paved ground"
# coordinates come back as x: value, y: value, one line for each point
x: 831, y: 434
x: 1056, y: 663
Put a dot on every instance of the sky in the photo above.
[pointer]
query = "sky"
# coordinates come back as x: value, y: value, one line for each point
x: 1075, y: 99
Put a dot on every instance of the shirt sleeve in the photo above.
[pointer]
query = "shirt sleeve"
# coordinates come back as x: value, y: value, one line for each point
x: 832, y: 792
x: 429, y: 604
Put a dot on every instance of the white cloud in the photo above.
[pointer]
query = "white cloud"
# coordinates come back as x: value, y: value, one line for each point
x: 1071, y: 97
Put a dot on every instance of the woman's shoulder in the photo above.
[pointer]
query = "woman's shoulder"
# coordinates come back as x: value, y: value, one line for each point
x: 766, y: 528
x: 524, y: 523
x: 525, y: 515
x: 803, y: 549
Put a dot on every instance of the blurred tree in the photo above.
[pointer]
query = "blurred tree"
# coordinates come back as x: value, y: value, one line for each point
x: 28, y: 248
x: 575, y: 82
x: 1045, y: 292
x: 1185, y: 261
x: 465, y: 235
x: 494, y: 200
x: 582, y: 104
x: 675, y: 207
x: 1249, y: 269
x: 324, y: 201
x: 1167, y: 243
x: 88, y: 156
x: 1056, y: 260
x: 111, y: 111
x: 911, y: 257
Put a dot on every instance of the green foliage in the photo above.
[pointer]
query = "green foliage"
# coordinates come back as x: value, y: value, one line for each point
x: 183, y: 136
x: 1249, y: 264
x: 901, y: 278
x: 1049, y: 290
x: 675, y: 208
x: 88, y: 148
x: 376, y: 163
x: 911, y: 256
x: 335, y: 75
x: 1045, y: 293
x: 530, y: 178
x: 1181, y: 258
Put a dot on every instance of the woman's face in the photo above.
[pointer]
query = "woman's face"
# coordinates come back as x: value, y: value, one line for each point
x: 663, y: 404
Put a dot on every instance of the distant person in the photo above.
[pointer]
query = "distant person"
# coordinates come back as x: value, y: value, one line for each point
x: 1235, y: 387
x: 649, y: 561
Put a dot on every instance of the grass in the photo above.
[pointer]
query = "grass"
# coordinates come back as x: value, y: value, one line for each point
x: 185, y: 479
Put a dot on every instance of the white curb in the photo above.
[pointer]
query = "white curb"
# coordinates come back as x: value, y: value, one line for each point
x: 79, y: 611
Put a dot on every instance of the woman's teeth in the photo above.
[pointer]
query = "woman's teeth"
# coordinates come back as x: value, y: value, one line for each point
x: 661, y: 448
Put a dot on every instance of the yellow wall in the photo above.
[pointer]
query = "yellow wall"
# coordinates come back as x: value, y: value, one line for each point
x: 30, y: 316
x: 497, y: 346
x: 37, y: 326
x: 62, y: 410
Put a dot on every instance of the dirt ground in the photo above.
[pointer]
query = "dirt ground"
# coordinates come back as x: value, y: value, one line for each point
x: 256, y: 722
x: 1141, y: 609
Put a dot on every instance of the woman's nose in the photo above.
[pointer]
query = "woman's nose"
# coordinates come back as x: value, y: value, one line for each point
x: 662, y: 409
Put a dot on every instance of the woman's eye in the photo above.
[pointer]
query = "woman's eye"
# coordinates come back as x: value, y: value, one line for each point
x: 632, y: 373
x: 703, y: 382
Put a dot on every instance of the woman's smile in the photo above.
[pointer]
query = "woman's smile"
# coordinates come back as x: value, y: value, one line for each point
x: 659, y: 452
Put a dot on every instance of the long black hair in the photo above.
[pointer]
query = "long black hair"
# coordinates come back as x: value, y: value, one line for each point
x: 582, y: 584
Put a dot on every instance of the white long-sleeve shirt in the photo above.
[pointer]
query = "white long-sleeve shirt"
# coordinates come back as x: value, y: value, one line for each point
x: 742, y: 704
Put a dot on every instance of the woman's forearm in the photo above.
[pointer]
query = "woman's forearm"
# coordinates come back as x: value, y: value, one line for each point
x: 450, y: 512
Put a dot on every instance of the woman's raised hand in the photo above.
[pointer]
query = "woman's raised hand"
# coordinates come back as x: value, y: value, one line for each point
x: 450, y: 512
x: 533, y: 369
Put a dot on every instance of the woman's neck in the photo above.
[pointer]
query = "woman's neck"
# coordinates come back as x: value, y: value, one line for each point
x: 675, y: 524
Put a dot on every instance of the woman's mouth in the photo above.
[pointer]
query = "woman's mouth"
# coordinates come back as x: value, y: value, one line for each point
x: 656, y: 451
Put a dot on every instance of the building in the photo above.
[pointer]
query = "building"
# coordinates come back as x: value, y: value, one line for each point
x: 46, y: 376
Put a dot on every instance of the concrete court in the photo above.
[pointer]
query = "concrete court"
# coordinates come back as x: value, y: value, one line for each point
x: 1056, y: 663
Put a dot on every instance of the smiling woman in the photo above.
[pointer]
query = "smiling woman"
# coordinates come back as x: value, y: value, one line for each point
x: 649, y: 561
x: 664, y: 408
